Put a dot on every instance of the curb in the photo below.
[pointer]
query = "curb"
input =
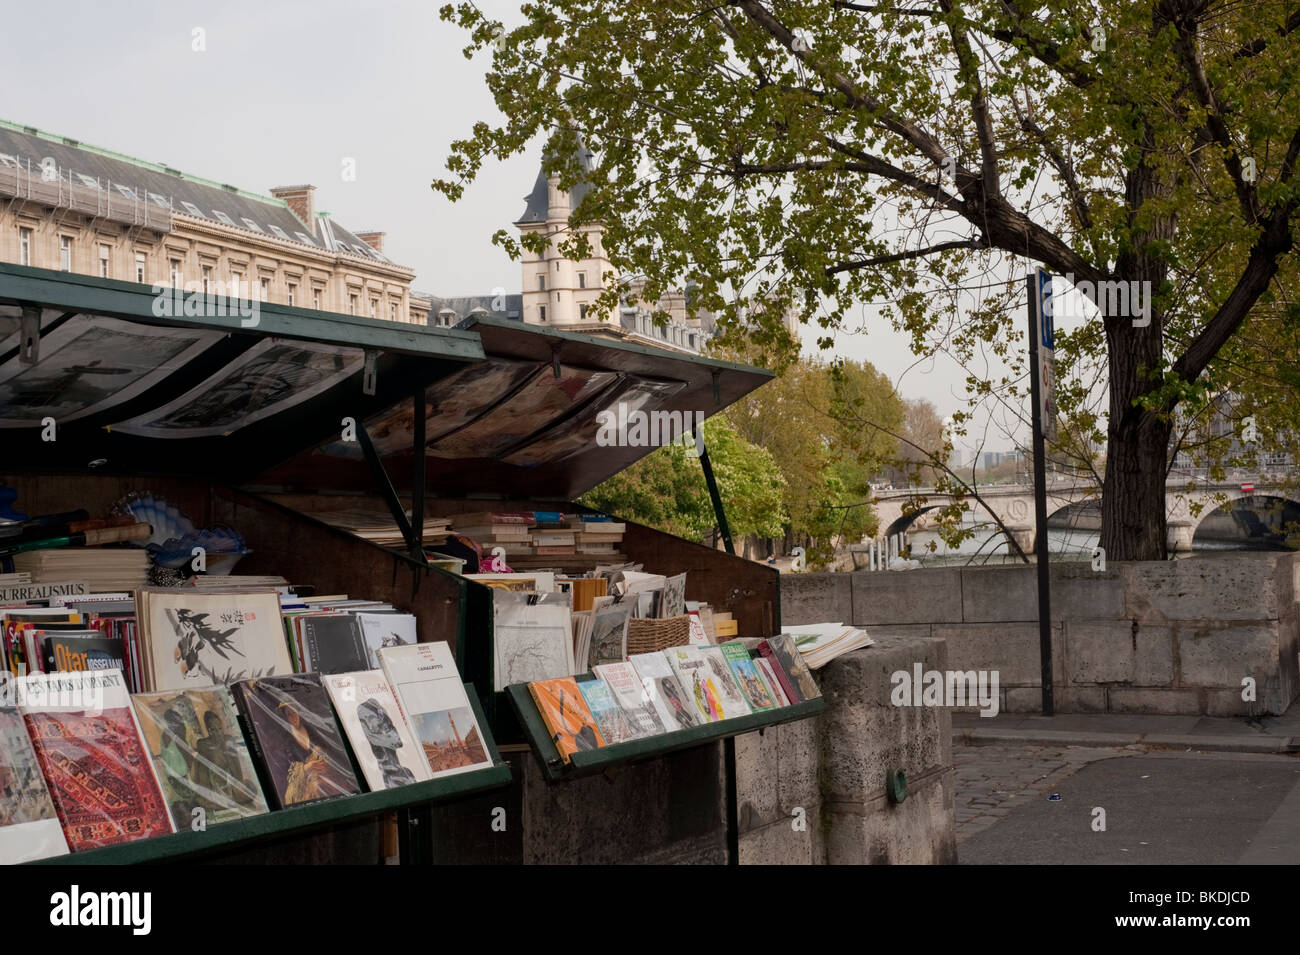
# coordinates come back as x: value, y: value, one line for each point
x: 1283, y: 745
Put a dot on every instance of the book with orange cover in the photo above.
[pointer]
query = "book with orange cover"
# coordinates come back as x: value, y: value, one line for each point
x: 566, y: 716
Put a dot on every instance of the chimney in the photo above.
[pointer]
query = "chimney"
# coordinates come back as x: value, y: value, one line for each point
x: 302, y: 201
x: 373, y: 239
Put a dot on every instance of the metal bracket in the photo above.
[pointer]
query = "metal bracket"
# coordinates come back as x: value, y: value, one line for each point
x: 717, y: 389
x: 29, y: 350
x: 370, y: 376
x: 413, y: 543
x: 555, y: 358
x: 718, y: 511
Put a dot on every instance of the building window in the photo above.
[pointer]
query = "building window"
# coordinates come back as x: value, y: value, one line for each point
x: 24, y: 246
x: 176, y: 273
x: 65, y: 253
x: 541, y: 283
x: 207, y: 280
x: 392, y: 311
x: 582, y: 280
x: 315, y: 299
x: 542, y: 310
x: 265, y: 288
x: 103, y: 261
x: 140, y: 263
x: 374, y: 308
x: 237, y: 284
x: 582, y: 312
x: 292, y: 293
x: 352, y: 304
x: 557, y: 296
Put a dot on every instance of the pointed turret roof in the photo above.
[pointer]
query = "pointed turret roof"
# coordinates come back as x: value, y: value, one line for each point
x: 538, y: 200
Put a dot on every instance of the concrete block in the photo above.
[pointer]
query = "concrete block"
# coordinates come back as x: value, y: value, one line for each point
x: 1079, y: 699
x: 1125, y: 699
x: 780, y: 843
x: 1221, y: 657
x: 1010, y: 648
x: 1211, y: 588
x: 921, y: 830
x: 1023, y: 699
x: 815, y: 598
x: 994, y: 594
x: 1108, y: 651
x: 1078, y: 591
x: 907, y: 596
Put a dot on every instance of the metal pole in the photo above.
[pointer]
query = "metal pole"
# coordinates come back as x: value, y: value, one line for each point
x: 417, y: 474
x: 1040, y: 501
x: 723, y: 527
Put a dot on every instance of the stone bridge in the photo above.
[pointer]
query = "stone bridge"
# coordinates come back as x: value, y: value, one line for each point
x: 1069, y: 504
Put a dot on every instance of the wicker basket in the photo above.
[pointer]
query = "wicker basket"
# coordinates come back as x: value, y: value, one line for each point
x: 652, y: 635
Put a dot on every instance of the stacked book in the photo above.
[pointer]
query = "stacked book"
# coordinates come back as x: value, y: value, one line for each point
x: 597, y: 534
x: 552, y: 536
x: 377, y: 526
x: 820, y: 643
x: 103, y: 568
x: 509, y: 530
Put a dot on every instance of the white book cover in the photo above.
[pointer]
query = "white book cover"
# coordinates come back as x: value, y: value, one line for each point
x: 382, y: 742
x: 675, y: 708
x: 29, y: 826
x: 704, y: 686
x: 532, y: 638
x: 197, y: 639
x: 724, y: 679
x: 633, y: 698
x: 429, y: 690
x: 386, y: 630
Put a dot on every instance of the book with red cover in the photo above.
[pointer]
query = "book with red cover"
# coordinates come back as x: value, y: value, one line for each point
x: 89, y: 747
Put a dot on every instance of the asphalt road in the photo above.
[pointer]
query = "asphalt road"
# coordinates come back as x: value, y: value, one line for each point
x: 1161, y: 808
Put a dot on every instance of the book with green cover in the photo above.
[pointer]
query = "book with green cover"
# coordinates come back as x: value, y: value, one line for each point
x: 755, y: 690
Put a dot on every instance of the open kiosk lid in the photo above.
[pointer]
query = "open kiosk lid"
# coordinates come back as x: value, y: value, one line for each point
x: 128, y: 380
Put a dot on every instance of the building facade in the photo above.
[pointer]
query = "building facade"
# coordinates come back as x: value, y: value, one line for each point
x: 77, y: 208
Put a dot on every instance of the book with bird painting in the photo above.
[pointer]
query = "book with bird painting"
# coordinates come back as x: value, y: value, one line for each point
x: 194, y: 639
x: 295, y: 739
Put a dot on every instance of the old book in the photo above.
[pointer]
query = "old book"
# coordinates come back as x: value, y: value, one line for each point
x: 702, y: 690
x: 566, y: 715
x: 385, y: 630
x: 89, y: 747
x: 381, y: 740
x: 192, y: 638
x: 334, y: 643
x: 532, y: 637
x: 29, y: 826
x: 764, y: 666
x: 609, y: 716
x: 609, y: 628
x: 432, y: 697
x: 72, y: 650
x: 748, y: 679
x: 200, y: 757
x: 670, y: 699
x: 733, y: 700
x: 673, y: 603
x: 633, y: 696
x: 796, y: 679
x: 295, y: 739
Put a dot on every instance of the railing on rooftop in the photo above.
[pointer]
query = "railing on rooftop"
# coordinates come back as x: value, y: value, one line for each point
x: 104, y: 200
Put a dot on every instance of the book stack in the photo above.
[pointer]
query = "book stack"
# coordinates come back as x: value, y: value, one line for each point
x: 820, y: 643
x: 509, y: 530
x: 377, y: 526
x: 551, y: 536
x: 597, y: 534
x: 103, y: 568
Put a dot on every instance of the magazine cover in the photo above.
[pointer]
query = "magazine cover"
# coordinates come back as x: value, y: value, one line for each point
x: 292, y: 729
x: 676, y: 710
x: 197, y: 639
x: 428, y: 686
x: 199, y: 754
x: 381, y: 741
x: 751, y: 683
x: 633, y: 697
x: 385, y: 630
x: 609, y: 627
x: 798, y: 684
x: 609, y: 716
x: 703, y: 689
x: 89, y: 747
x: 768, y: 672
x: 532, y: 637
x: 565, y: 713
x: 334, y: 643
x: 29, y: 826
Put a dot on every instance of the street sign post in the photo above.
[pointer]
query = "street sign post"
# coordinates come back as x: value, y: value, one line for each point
x: 1043, y: 394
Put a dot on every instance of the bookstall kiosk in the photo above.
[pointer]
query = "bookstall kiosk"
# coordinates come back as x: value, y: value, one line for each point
x: 491, y: 415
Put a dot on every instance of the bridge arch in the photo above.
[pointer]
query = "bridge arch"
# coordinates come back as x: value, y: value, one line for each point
x: 1267, y: 522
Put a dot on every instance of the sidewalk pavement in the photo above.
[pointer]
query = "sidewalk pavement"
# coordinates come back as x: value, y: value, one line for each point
x: 1265, y: 734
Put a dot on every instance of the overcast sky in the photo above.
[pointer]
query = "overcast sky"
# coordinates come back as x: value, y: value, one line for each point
x: 285, y: 92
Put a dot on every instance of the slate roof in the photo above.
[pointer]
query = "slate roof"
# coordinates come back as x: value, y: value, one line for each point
x: 185, y: 194
x: 538, y: 200
x: 463, y: 305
